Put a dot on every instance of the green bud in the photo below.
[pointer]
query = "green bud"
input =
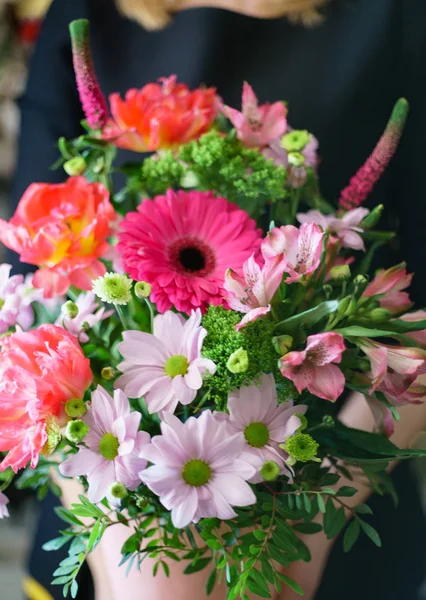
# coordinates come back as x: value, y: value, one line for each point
x: 296, y: 140
x: 360, y: 283
x: 302, y: 447
x: 282, y: 344
x: 118, y: 490
x: 291, y: 461
x: 75, y: 166
x: 270, y: 471
x: 328, y: 421
x: 296, y: 159
x: 142, y: 501
x: 340, y: 273
x: 108, y: 373
x: 238, y: 362
x: 373, y: 218
x: 75, y: 408
x: 343, y: 307
x: 189, y: 180
x: 378, y: 315
x: 327, y: 289
x: 76, y: 431
x: 142, y: 289
x: 69, y: 309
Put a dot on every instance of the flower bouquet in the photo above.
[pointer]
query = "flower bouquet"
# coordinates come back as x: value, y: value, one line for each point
x: 184, y: 343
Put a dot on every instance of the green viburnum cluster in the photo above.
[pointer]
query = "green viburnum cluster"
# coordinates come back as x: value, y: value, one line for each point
x: 221, y: 163
x: 241, y: 356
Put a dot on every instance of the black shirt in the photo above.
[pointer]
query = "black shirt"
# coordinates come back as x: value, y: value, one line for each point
x: 341, y: 80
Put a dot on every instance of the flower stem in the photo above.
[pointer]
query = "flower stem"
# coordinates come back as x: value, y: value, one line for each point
x: 122, y: 316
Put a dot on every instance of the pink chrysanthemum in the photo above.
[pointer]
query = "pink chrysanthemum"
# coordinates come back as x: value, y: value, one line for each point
x: 197, y: 469
x: 254, y: 411
x: 165, y: 367
x: 113, y: 446
x: 89, y: 312
x: 182, y: 244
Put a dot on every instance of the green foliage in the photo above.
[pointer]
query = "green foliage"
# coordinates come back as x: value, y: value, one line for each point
x: 161, y: 172
x: 222, y: 341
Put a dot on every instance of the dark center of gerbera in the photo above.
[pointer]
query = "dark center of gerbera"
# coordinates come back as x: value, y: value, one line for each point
x: 191, y: 256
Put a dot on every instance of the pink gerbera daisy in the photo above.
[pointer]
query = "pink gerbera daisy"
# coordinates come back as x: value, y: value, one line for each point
x: 182, y: 243
x: 197, y: 469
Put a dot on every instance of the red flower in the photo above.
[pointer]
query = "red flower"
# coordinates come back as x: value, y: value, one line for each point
x: 160, y: 115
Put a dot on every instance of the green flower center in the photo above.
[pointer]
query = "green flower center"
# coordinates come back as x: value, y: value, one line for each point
x: 1, y: 303
x: 176, y: 365
x: 108, y: 446
x: 295, y: 141
x: 257, y: 434
x: 196, y: 473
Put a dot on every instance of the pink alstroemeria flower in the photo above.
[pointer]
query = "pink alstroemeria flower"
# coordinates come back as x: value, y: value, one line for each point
x: 252, y: 293
x: 300, y: 249
x: 256, y: 125
x: 385, y: 360
x: 419, y: 336
x: 347, y: 228
x: 313, y: 369
x: 389, y: 284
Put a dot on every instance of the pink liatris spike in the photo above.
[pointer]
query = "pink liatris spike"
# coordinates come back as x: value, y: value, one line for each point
x: 92, y: 99
x: 361, y: 184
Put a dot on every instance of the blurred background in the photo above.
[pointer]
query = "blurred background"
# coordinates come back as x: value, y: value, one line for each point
x: 20, y: 22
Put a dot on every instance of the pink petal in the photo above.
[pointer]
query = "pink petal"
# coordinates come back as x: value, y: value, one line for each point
x: 328, y: 382
x: 183, y: 514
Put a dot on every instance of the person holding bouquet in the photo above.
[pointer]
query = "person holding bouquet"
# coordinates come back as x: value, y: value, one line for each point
x: 340, y: 77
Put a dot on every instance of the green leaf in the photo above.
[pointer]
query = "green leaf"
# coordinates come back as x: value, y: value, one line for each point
x: 351, y: 535
x: 132, y: 544
x: 307, y: 503
x: 197, y: 566
x: 309, y: 317
x: 259, y: 534
x: 370, y: 532
x: 61, y: 580
x: 334, y: 520
x: 94, y: 535
x: 67, y: 516
x: 256, y: 589
x: 291, y: 583
x: 55, y: 544
x: 346, y: 491
x: 211, y: 582
x: 214, y: 544
x: 267, y: 570
x: 165, y: 568
x: 308, y: 527
x: 358, y: 331
x: 406, y: 326
x: 321, y: 504
x: 363, y: 509
x: 74, y: 589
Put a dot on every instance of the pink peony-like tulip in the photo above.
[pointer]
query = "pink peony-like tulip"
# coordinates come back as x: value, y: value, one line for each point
x: 252, y: 293
x: 40, y: 370
x: 160, y: 115
x: 346, y: 228
x: 313, y: 368
x: 300, y: 249
x: 197, y: 469
x: 63, y: 229
x: 256, y: 125
x: 112, y: 452
x: 388, y: 284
